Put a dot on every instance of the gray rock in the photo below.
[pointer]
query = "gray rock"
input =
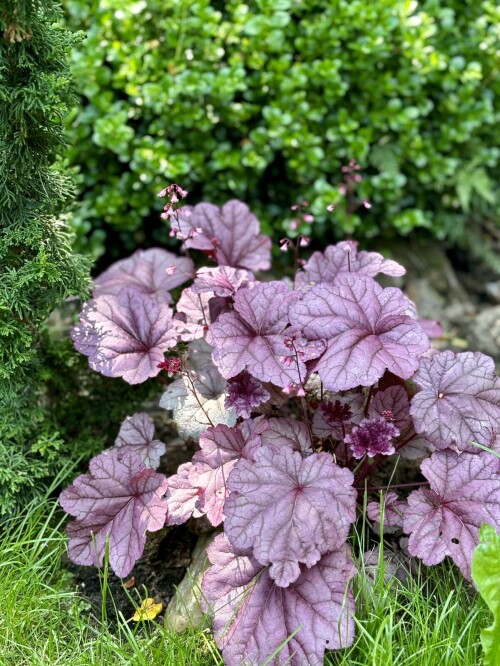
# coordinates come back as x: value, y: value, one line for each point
x: 485, y: 332
x: 184, y: 610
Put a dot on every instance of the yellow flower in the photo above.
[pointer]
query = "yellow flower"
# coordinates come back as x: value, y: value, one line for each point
x: 148, y: 610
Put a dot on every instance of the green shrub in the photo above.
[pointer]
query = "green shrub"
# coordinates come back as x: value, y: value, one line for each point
x: 224, y: 97
x: 38, y: 269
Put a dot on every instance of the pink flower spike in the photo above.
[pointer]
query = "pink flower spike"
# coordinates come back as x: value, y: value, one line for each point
x: 308, y: 218
x: 304, y: 241
x: 330, y: 208
x: 293, y: 225
x: 367, y: 204
x: 342, y: 190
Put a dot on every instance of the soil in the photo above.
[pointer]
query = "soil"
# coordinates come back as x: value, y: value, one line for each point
x: 452, y: 289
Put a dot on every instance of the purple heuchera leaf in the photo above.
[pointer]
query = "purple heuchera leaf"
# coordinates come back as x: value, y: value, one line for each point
x: 289, y: 509
x: 345, y: 258
x: 445, y: 519
x: 245, y: 393
x: 372, y: 437
x: 337, y: 416
x: 193, y: 315
x: 154, y: 272
x: 254, y: 617
x: 125, y: 335
x: 231, y: 234
x: 137, y: 432
x: 182, y: 497
x: 120, y: 498
x: 221, y: 448
x: 221, y: 280
x: 288, y: 432
x: 254, y: 336
x: 459, y: 400
x: 366, y: 329
x: 393, y: 510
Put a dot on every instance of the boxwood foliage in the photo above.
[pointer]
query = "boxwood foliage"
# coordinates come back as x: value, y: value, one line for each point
x: 265, y: 100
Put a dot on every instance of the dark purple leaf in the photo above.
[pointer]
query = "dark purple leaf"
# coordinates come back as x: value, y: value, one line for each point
x: 137, y: 432
x: 459, y: 400
x: 221, y: 448
x: 394, y: 401
x: 366, y: 329
x: 253, y: 617
x: 245, y: 393
x: 125, y: 335
x: 344, y: 258
x: 154, y: 272
x: 120, y: 498
x: 221, y: 280
x: 445, y: 519
x: 182, y: 497
x: 372, y: 437
x: 337, y: 416
x: 289, y: 509
x: 253, y: 337
x: 393, y: 511
x: 231, y: 233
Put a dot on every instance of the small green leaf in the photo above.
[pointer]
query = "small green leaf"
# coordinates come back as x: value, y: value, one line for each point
x: 486, y: 575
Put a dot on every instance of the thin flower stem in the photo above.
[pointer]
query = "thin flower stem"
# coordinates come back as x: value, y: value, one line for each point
x: 367, y: 403
x: 195, y: 393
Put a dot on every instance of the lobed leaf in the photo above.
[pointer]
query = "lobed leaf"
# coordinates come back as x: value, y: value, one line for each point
x: 231, y: 234
x: 366, y: 328
x: 137, y: 433
x: 253, y: 617
x: 118, y: 500
x: 342, y: 258
x: 459, y: 400
x: 445, y: 519
x: 155, y: 272
x: 125, y: 335
x: 289, y: 509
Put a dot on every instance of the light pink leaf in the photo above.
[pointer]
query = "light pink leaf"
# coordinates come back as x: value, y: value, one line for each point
x: 221, y: 280
x: 445, y: 519
x: 253, y: 617
x: 126, y: 335
x: 119, y: 499
x: 289, y: 509
x: 137, y: 432
x: 146, y: 271
x: 459, y: 400
x: 221, y: 448
x: 182, y: 497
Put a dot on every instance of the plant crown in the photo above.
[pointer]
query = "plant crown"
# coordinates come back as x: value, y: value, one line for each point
x: 300, y: 395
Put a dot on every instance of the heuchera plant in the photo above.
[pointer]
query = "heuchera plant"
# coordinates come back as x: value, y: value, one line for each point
x: 303, y: 396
